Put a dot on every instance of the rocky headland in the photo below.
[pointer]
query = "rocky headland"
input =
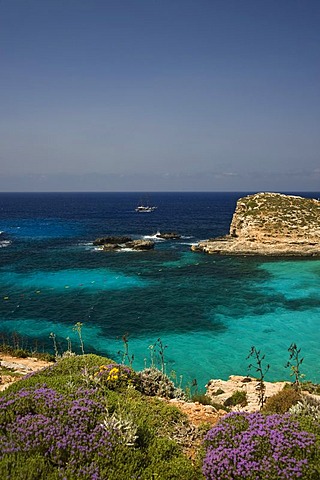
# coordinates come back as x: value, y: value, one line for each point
x: 270, y: 224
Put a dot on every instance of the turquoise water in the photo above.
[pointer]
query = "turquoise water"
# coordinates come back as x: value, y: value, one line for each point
x: 207, y: 310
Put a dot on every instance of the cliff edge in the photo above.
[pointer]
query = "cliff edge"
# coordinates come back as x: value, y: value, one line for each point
x: 270, y: 224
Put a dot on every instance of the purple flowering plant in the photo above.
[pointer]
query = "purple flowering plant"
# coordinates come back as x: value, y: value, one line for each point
x: 65, y: 429
x: 62, y: 424
x: 254, y: 446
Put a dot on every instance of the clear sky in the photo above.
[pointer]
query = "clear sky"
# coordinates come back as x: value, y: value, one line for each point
x: 147, y: 95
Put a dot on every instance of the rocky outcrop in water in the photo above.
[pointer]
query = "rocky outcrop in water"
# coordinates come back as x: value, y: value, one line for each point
x: 112, y: 240
x: 168, y: 236
x: 121, y: 243
x: 270, y: 224
x: 140, y: 244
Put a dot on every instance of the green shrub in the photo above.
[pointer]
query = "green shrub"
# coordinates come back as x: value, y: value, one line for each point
x: 282, y: 401
x: 26, y: 467
x: 218, y: 392
x: 237, y: 398
x: 201, y: 398
x: 311, y: 387
x: 205, y: 400
x: 307, y: 406
x: 155, y: 383
x: 66, y: 374
x: 24, y: 353
x: 20, y: 353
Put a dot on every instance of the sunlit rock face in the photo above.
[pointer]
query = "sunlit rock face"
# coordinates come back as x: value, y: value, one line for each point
x: 270, y: 224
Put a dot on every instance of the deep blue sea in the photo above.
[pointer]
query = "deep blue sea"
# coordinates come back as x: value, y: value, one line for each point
x: 207, y: 310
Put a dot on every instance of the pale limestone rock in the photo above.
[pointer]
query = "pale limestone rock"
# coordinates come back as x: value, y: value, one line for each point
x: 270, y: 224
x: 245, y: 384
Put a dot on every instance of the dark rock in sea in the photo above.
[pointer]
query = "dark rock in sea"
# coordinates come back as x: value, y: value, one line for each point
x: 111, y: 240
x: 110, y: 246
x: 169, y: 235
x: 119, y: 243
x: 140, y: 244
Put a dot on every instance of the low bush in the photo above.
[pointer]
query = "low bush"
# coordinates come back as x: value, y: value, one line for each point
x: 311, y: 387
x: 307, y: 406
x: 206, y: 400
x: 24, y: 353
x: 282, y: 401
x: 155, y: 383
x: 66, y: 374
x: 252, y: 446
x: 237, y: 398
x: 113, y: 377
x: 66, y: 430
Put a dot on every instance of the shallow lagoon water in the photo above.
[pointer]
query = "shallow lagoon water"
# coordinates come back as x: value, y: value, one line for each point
x: 207, y: 310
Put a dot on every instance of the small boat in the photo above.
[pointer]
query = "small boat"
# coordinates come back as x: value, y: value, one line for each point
x: 145, y: 209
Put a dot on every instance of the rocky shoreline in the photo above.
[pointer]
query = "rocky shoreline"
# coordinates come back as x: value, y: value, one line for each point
x: 270, y: 224
x: 231, y: 246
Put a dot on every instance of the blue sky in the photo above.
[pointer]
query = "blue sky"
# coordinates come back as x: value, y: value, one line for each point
x: 146, y: 95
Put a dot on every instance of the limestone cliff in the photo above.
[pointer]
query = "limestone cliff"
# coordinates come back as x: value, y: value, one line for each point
x: 270, y: 224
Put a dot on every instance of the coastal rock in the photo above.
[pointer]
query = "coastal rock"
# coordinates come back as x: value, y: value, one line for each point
x: 107, y: 247
x: 270, y: 224
x: 140, y: 244
x: 11, y: 366
x: 119, y: 243
x: 168, y: 235
x: 220, y: 390
x: 111, y: 240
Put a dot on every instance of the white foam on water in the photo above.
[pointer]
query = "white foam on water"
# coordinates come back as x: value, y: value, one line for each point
x: 5, y: 243
x: 154, y: 237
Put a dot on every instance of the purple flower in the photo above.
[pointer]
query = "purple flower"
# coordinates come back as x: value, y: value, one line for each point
x: 67, y: 429
x: 251, y: 446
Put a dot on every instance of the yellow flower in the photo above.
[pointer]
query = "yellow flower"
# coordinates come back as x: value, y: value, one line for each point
x: 113, y: 374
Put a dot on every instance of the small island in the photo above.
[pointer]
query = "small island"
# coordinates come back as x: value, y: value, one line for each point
x: 271, y: 224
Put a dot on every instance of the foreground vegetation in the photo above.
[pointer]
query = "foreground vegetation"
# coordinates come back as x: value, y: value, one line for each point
x: 86, y: 417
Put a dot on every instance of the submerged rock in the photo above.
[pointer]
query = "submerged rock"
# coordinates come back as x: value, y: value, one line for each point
x: 270, y: 224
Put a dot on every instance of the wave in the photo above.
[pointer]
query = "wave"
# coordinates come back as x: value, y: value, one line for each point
x: 154, y: 236
x: 5, y: 243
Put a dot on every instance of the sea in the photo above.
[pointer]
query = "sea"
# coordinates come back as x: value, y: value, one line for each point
x: 202, y: 313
